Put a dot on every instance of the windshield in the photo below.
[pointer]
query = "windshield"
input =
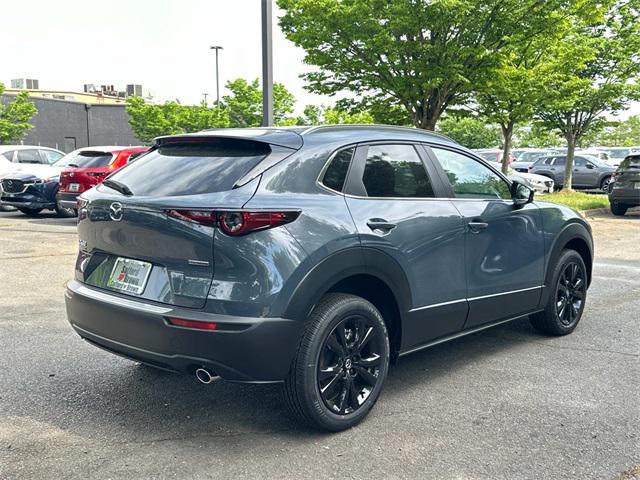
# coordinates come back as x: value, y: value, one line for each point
x: 595, y: 160
x: 85, y: 159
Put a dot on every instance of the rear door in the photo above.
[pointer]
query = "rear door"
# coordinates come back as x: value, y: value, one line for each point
x: 504, y: 246
x: 395, y: 198
x: 152, y: 225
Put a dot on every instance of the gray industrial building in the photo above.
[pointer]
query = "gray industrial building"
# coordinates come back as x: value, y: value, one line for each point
x: 68, y: 125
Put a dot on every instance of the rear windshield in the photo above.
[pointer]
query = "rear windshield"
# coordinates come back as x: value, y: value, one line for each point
x: 192, y: 168
x: 631, y: 162
x: 85, y: 159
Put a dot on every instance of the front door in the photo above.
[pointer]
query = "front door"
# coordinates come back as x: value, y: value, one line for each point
x: 392, y: 196
x: 504, y: 245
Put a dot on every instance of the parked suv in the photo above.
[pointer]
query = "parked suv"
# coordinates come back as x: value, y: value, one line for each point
x: 316, y: 256
x: 89, y: 167
x: 624, y: 191
x: 588, y: 171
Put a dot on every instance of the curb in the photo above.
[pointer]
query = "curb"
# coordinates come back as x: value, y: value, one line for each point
x: 593, y: 212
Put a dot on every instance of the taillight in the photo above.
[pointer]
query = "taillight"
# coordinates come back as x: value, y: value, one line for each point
x: 203, y: 217
x: 236, y: 223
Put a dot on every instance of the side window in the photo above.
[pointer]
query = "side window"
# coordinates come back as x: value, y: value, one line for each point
x: 51, y: 156
x: 134, y: 156
x: 336, y: 172
x: 9, y: 155
x: 395, y: 171
x: 471, y: 179
x: 560, y: 161
x: 29, y: 156
x: 579, y: 162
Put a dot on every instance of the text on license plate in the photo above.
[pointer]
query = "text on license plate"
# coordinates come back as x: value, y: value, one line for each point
x: 129, y: 275
x: 74, y: 187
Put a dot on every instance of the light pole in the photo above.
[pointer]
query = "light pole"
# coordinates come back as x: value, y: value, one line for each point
x: 267, y: 64
x: 217, y: 48
x: 205, y: 95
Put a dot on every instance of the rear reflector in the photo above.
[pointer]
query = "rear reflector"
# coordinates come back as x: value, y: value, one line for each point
x: 196, y: 325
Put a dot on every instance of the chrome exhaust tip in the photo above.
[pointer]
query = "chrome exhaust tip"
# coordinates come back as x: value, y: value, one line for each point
x: 204, y: 376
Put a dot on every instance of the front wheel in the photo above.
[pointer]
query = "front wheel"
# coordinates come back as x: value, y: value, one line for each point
x: 30, y: 212
x: 567, y: 296
x: 341, y: 363
x: 605, y: 184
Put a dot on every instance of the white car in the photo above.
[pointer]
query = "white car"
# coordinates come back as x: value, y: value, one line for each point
x: 27, y: 158
x: 539, y: 183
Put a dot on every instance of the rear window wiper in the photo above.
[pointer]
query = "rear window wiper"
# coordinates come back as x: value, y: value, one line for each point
x: 75, y: 165
x: 119, y: 187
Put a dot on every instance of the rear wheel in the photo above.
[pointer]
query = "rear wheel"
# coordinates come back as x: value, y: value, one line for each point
x: 567, y: 296
x: 617, y: 208
x: 341, y: 363
x: 30, y: 211
x: 64, y: 212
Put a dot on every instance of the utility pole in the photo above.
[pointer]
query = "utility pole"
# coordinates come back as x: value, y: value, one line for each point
x: 217, y: 48
x: 267, y: 64
x: 205, y: 95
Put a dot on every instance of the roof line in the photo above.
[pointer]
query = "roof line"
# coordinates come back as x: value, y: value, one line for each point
x: 372, y: 126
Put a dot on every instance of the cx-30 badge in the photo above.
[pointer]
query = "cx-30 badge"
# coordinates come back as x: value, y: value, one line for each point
x: 115, y: 211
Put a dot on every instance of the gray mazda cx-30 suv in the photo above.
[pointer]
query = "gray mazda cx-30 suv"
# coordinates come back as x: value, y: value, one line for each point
x: 315, y: 257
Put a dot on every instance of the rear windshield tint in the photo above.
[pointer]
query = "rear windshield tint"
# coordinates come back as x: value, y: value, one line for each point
x: 630, y: 162
x: 192, y: 168
x: 91, y: 160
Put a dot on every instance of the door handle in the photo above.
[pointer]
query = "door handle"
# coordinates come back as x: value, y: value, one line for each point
x: 477, y: 226
x: 380, y: 224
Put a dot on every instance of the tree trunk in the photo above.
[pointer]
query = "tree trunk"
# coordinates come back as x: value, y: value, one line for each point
x: 507, y: 136
x: 568, y: 168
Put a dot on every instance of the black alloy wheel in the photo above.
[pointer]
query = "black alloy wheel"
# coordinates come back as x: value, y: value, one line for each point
x: 570, y: 293
x: 349, y: 364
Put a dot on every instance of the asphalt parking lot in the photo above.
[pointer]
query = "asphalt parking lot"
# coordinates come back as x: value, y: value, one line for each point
x: 506, y: 403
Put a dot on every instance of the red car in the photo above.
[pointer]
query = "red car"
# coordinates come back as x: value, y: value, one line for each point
x: 89, y: 168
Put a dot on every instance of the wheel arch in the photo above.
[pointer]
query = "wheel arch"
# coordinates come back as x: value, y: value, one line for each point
x: 575, y: 236
x: 365, y: 272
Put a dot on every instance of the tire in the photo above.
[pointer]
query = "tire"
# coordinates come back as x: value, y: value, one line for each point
x: 617, y: 208
x: 567, y: 297
x: 329, y: 369
x: 30, y: 212
x: 604, y: 185
x: 65, y: 212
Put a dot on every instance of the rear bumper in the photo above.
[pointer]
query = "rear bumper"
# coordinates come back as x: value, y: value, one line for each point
x: 627, y: 196
x: 243, y: 349
x: 67, y: 200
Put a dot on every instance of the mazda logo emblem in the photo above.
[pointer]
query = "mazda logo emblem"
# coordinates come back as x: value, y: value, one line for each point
x: 10, y: 183
x: 115, y: 211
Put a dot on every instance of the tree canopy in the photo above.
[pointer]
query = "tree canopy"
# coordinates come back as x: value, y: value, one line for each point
x: 15, y: 117
x: 422, y: 56
x: 594, y: 70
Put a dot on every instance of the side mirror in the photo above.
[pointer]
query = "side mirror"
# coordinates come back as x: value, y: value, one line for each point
x: 521, y: 194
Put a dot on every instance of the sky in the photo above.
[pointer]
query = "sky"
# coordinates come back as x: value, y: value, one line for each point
x: 161, y: 44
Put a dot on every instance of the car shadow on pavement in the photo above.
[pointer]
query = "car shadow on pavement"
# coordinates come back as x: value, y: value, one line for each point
x: 132, y: 401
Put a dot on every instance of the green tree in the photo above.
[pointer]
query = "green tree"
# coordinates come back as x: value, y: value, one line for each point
x: 595, y: 71
x: 472, y: 132
x: 619, y: 134
x: 244, y: 104
x: 423, y: 55
x: 15, y: 117
x: 321, y: 115
x: 534, y: 135
x: 149, y: 121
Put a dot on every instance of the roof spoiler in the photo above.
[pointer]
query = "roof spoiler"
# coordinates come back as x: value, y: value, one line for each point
x: 271, y: 136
